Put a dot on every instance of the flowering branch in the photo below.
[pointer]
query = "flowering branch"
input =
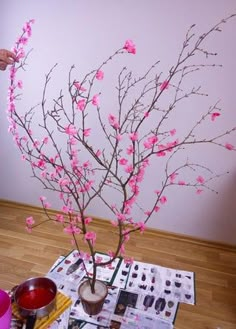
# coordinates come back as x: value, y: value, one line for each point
x: 135, y: 137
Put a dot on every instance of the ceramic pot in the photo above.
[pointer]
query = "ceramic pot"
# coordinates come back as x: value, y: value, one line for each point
x: 92, y: 303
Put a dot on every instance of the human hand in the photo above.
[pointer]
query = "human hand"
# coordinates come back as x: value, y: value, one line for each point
x: 6, y: 58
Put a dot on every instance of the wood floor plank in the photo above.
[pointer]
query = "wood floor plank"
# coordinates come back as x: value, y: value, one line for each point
x: 24, y: 255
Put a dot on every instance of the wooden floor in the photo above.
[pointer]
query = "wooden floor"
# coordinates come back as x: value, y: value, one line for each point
x: 24, y: 255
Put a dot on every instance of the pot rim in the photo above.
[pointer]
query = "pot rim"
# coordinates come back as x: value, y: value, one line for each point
x: 92, y: 302
x: 33, y: 311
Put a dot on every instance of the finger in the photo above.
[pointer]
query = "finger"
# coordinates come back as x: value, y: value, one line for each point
x: 10, y: 54
x: 3, y: 66
x: 8, y: 60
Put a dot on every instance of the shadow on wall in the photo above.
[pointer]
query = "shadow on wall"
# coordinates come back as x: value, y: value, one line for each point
x: 221, y: 214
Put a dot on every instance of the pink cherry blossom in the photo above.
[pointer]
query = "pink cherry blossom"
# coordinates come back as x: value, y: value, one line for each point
x: 63, y: 181
x: 153, y: 139
x: 135, y: 189
x: 98, y: 259
x: 126, y: 235
x: 130, y: 150
x: 47, y: 205
x: 88, y: 220
x: 172, y: 132
x: 45, y: 140
x: 91, y: 236
x: 65, y: 209
x: 116, y: 125
x: 99, y: 75
x: 20, y: 53
x: 113, y: 206
x: 160, y: 153
x: 147, y: 144
x: 60, y: 218
x: 79, y: 87
x: 36, y: 143
x: 20, y: 84
x: 181, y: 182
x: 72, y: 140
x: 30, y: 221
x: 71, y: 229
x: 123, y: 161
x: 163, y: 200
x: 214, y: 115
x: 200, y: 179
x: 129, y: 169
x: 173, y: 177
x: 81, y: 104
x: 118, y: 137
x: 44, y: 174
x: 121, y: 217
x: 122, y: 249
x: 169, y: 146
x: 150, y: 142
x: 127, y: 211
x: 129, y: 203
x: 87, y: 164
x: 95, y: 100
x: 88, y: 185
x: 11, y: 107
x: 61, y: 196
x: 70, y: 130
x: 113, y: 121
x: 199, y: 191
x: 128, y: 260
x: 164, y: 85
x: 141, y: 226
x: 114, y: 223
x: 130, y: 47
x: 41, y: 164
x: 53, y: 175
x: 133, y: 136
x: 229, y: 146
x: 42, y: 198
x: 13, y: 71
x: 98, y: 153
x: 156, y: 208
x: 111, y: 253
x: 87, y: 132
x: 84, y: 255
x: 146, y: 114
x: 27, y: 27
x: 140, y: 174
x: 22, y: 40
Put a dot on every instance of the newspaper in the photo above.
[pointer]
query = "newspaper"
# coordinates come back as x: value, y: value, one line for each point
x: 140, y: 295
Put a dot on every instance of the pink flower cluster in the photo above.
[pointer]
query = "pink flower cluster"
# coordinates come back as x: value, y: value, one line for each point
x: 130, y: 47
x: 29, y: 223
x: 18, y: 50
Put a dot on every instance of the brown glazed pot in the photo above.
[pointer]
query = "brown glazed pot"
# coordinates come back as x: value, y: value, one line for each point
x: 92, y: 303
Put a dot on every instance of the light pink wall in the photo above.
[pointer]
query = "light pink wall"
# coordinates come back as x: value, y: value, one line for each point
x: 84, y: 33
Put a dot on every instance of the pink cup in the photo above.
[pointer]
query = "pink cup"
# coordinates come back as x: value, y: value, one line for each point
x: 5, y: 310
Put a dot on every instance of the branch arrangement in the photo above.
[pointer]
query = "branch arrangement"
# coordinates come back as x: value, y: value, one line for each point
x: 62, y: 151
